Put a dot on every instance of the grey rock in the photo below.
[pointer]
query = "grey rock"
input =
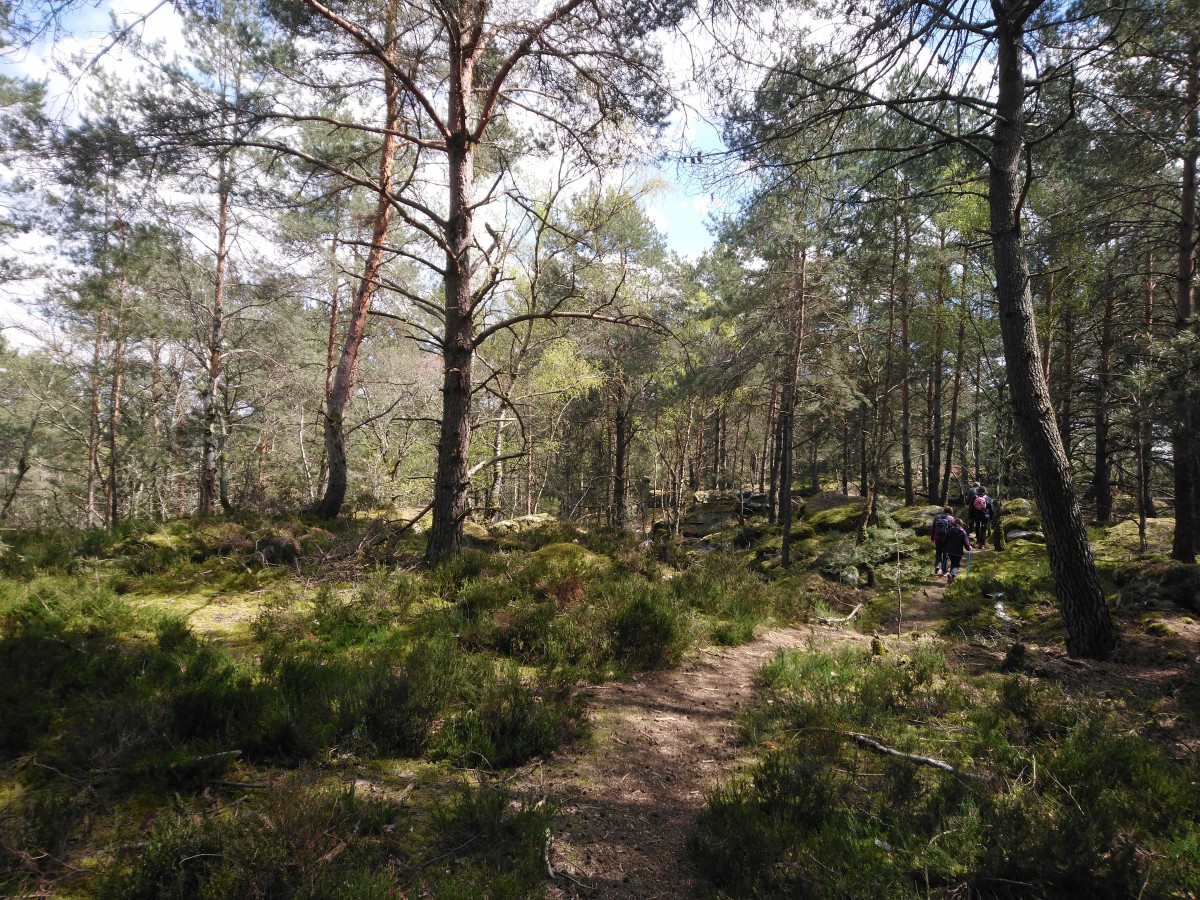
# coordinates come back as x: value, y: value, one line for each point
x: 1020, y: 534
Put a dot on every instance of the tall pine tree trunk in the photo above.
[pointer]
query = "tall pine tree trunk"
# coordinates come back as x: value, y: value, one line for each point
x: 934, y: 442
x: 620, y: 458
x: 1102, y: 478
x: 787, y: 412
x: 1090, y: 630
x: 944, y: 494
x: 906, y: 367
x: 451, y: 502
x: 114, y: 410
x: 1187, y: 424
x: 211, y: 441
x: 342, y: 386
x: 94, y: 422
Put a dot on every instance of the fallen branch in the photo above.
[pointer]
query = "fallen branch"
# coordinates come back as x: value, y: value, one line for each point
x: 830, y: 620
x: 196, y: 760
x: 872, y: 744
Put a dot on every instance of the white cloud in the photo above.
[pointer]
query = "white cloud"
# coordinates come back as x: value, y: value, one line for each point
x: 659, y: 218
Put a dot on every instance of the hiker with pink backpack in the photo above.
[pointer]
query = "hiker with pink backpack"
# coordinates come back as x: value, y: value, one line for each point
x: 979, y: 511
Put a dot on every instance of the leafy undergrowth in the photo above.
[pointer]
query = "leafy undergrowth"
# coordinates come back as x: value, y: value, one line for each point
x: 307, y: 840
x: 1051, y: 797
x: 186, y: 715
x: 228, y: 709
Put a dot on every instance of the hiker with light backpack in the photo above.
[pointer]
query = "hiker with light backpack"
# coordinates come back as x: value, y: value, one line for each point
x: 979, y: 510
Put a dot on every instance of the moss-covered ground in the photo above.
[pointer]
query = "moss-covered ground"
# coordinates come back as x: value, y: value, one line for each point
x: 234, y: 709
x: 281, y: 708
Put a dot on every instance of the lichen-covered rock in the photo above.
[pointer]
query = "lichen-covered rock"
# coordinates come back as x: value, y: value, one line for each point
x: 704, y: 522
x: 521, y: 524
x: 918, y: 518
x: 830, y: 500
x: 1017, y: 507
x: 833, y: 512
x: 1159, y: 584
x: 1021, y: 534
x: 1020, y: 514
x: 476, y: 535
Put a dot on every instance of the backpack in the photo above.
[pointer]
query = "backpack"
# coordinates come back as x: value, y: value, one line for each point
x: 981, y: 503
x: 943, y: 523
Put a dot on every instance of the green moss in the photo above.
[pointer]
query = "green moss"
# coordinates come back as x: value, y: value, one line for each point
x: 556, y: 561
x: 1123, y: 539
x: 839, y: 518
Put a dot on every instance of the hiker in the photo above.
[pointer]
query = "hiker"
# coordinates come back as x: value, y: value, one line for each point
x: 954, y: 544
x: 980, y: 511
x: 943, y: 523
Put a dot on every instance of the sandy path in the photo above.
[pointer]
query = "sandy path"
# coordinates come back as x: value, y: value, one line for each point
x: 662, y: 741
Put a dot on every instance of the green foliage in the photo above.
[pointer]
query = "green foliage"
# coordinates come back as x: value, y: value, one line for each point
x: 303, y: 843
x: 730, y: 598
x: 500, y: 841
x: 450, y: 574
x: 650, y: 627
x: 1068, y: 804
x: 1020, y: 579
x: 505, y: 721
x: 85, y: 686
x: 374, y: 698
x: 52, y: 551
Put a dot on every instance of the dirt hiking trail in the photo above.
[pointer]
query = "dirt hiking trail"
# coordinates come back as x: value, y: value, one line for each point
x: 661, y: 742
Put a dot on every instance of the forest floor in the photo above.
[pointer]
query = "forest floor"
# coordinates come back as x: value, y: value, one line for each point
x: 662, y: 742
x: 627, y: 806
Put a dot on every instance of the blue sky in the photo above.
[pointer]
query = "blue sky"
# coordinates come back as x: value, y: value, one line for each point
x: 683, y: 210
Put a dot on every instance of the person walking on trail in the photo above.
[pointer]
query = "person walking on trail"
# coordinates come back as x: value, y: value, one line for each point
x: 954, y: 545
x: 942, y: 524
x: 980, y: 511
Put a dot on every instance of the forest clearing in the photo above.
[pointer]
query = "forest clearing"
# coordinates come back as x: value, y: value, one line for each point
x: 594, y: 448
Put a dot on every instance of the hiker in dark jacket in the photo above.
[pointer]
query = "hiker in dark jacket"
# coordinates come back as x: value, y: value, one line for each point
x: 942, y: 524
x: 956, y: 542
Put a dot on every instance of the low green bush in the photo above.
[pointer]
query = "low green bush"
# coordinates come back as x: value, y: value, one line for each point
x: 1054, y: 798
x: 650, y: 627
x: 499, y: 841
x: 55, y: 551
x: 732, y: 599
x: 507, y: 721
x: 302, y: 843
x: 382, y: 700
